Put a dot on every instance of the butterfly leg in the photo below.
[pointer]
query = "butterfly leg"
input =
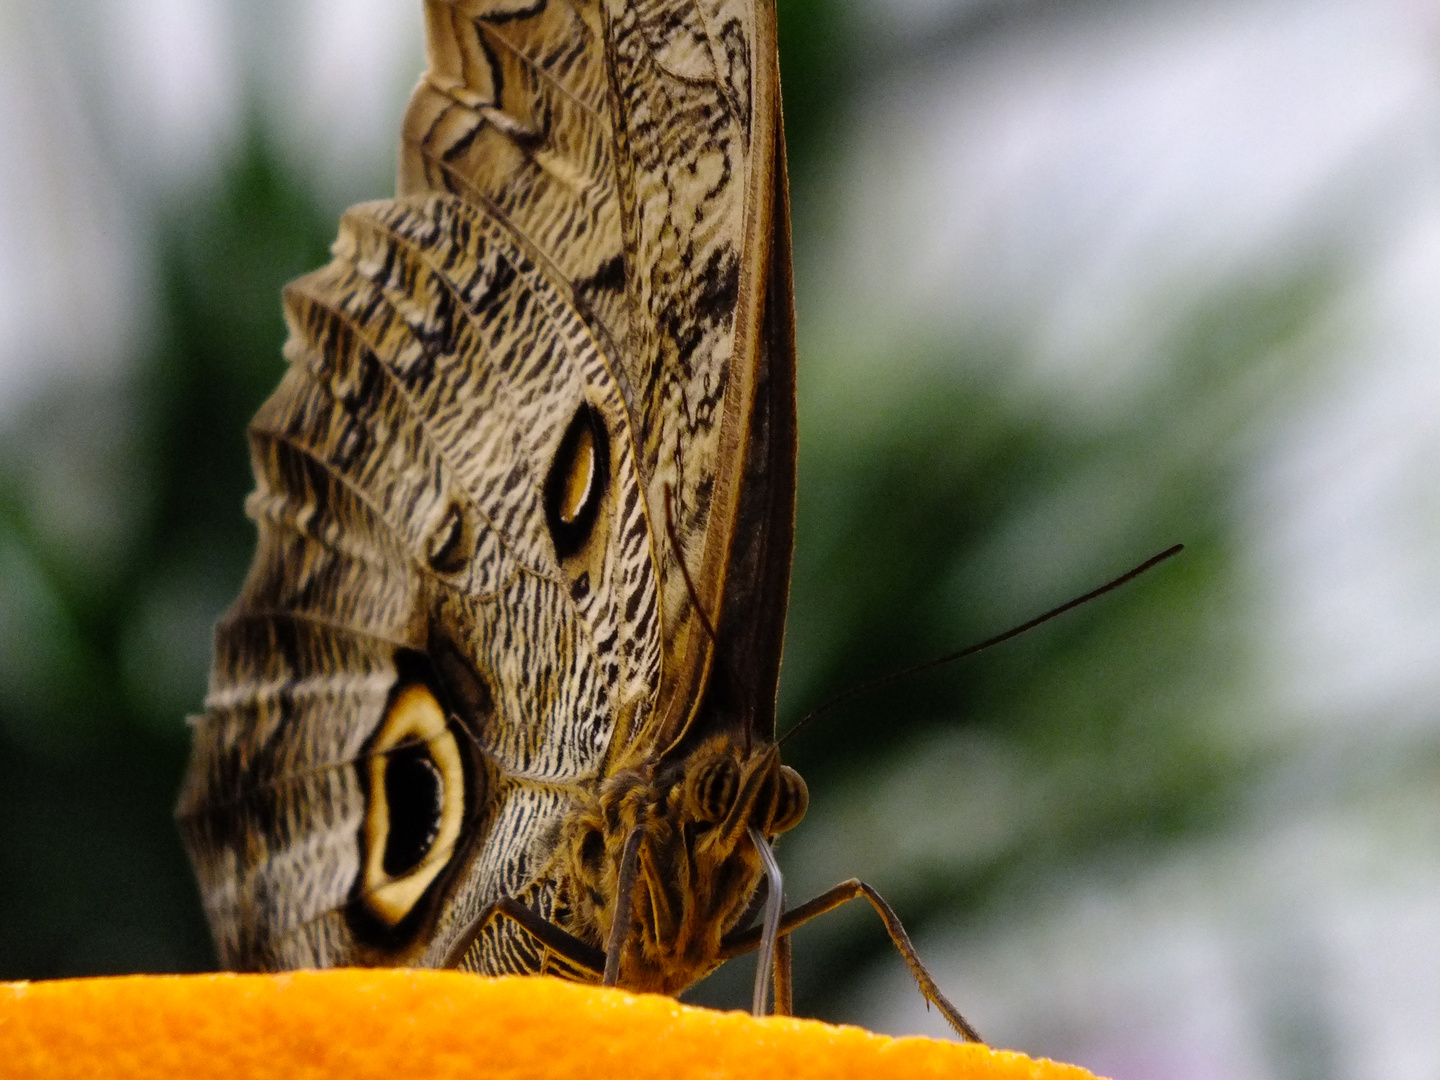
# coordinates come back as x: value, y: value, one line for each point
x: 585, y: 957
x: 624, y: 897
x: 784, y: 982
x: 741, y: 943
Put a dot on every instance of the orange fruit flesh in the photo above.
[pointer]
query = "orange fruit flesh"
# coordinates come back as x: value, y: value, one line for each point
x: 369, y: 1024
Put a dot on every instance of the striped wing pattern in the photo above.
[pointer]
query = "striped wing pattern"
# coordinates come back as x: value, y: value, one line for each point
x: 577, y: 183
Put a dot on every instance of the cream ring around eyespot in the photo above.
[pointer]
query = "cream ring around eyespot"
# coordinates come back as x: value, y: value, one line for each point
x: 415, y: 717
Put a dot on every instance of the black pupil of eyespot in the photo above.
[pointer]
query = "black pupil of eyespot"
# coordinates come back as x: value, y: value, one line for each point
x: 414, y: 793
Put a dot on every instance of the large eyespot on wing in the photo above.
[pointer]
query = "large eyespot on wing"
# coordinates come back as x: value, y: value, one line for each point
x: 576, y: 483
x: 415, y: 805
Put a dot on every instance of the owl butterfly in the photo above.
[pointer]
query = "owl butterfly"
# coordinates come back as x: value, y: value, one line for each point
x: 499, y: 689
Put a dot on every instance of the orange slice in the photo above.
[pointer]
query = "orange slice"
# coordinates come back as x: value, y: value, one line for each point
x: 372, y: 1024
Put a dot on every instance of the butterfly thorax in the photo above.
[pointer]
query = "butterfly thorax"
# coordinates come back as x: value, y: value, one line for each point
x: 697, y: 867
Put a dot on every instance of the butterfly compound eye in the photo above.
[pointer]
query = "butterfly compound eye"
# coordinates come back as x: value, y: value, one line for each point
x: 416, y: 790
x: 576, y: 483
x: 792, y: 799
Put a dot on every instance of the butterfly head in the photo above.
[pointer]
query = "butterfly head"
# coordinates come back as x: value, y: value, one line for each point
x: 697, y: 868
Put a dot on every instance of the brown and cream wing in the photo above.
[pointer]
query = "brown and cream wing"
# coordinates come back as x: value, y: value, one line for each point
x: 462, y: 587
x: 632, y: 146
x: 447, y: 499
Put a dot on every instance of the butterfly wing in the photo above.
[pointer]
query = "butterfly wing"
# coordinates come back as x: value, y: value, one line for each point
x: 635, y: 145
x: 401, y: 502
x: 462, y: 605
x: 697, y: 120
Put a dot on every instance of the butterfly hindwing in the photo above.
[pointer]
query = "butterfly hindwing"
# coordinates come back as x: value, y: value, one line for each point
x: 401, y: 469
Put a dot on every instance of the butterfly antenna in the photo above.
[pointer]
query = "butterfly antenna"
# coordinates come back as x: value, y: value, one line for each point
x: 971, y: 650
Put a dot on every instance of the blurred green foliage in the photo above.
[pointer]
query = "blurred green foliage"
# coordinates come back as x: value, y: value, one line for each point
x: 964, y: 509
x: 122, y: 541
x: 951, y: 510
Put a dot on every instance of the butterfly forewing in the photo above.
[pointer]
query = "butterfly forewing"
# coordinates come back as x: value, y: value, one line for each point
x: 696, y: 120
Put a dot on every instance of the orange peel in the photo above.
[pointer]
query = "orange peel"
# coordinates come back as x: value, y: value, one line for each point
x: 368, y: 1024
